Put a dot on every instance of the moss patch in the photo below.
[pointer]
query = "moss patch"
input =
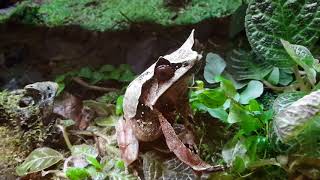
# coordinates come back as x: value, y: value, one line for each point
x: 105, y: 15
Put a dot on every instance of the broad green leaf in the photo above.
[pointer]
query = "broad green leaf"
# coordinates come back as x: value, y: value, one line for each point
x: 85, y: 72
x: 286, y: 77
x: 38, y: 160
x: 233, y: 149
x: 67, y: 123
x: 286, y: 99
x: 106, y: 68
x: 109, y: 121
x: 274, y: 77
x: 119, y: 106
x: 219, y: 113
x: 127, y: 76
x: 215, y: 65
x: 102, y: 109
x: 95, y: 174
x: 247, y: 122
x: 289, y: 122
x: 96, y: 77
x: 252, y: 91
x: 238, y: 165
x: 244, y: 65
x: 303, y: 57
x: 237, y: 113
x: 253, y: 106
x: 227, y: 86
x: 268, y: 21
x: 93, y: 161
x: 212, y: 98
x: 74, y: 173
x: 120, y: 164
x: 84, y: 150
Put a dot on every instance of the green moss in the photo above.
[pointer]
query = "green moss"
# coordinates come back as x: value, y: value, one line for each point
x: 104, y: 15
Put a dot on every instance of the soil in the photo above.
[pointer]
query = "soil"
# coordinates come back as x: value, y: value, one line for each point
x: 31, y: 53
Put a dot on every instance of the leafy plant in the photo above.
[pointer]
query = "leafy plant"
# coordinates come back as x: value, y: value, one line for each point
x: 123, y: 73
x: 271, y: 20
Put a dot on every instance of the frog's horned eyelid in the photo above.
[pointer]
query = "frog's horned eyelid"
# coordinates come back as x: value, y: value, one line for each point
x: 162, y: 61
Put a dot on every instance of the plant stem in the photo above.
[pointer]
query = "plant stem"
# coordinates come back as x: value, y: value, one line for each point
x: 65, y: 136
x: 299, y: 79
x: 274, y: 88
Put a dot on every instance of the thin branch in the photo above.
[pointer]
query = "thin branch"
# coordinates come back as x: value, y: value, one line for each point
x: 299, y: 79
x: 274, y: 88
x: 65, y: 136
x: 93, y: 87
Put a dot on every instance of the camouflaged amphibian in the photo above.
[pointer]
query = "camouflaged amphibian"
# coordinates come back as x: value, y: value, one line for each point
x: 24, y: 122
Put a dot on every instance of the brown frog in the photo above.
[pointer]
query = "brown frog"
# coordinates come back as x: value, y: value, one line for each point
x: 162, y: 87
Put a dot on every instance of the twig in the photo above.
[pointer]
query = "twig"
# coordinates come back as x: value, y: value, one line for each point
x: 93, y: 87
x: 65, y: 136
x: 274, y: 88
x: 299, y: 79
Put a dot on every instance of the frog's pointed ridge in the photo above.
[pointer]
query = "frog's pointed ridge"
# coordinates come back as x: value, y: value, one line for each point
x: 134, y: 90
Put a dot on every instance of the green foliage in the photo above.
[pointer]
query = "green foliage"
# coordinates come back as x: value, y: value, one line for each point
x: 215, y: 65
x: 115, y: 15
x: 38, y: 160
x: 74, y: 173
x: 269, y: 21
x: 245, y: 65
x: 303, y: 57
x: 252, y: 91
x: 123, y: 73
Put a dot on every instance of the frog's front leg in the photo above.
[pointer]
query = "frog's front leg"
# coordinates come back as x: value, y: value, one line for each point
x: 146, y: 125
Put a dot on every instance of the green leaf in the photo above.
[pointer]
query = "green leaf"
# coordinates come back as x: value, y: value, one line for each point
x: 274, y: 77
x: 247, y: 122
x: 156, y: 167
x: 233, y: 149
x: 95, y: 174
x: 227, y: 86
x: 254, y: 106
x: 253, y: 91
x: 109, y: 121
x: 67, y: 123
x: 38, y: 160
x: 96, y: 77
x: 127, y: 76
x: 85, y: 72
x: 238, y: 165
x: 303, y: 57
x: 269, y: 21
x: 212, y: 98
x: 292, y: 120
x: 286, y: 99
x: 244, y: 65
x: 74, y: 173
x: 120, y: 164
x: 119, y: 106
x: 236, y: 113
x: 286, y: 77
x: 106, y: 68
x: 215, y: 65
x: 219, y: 113
x: 102, y: 109
x: 84, y: 150
x: 93, y: 161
